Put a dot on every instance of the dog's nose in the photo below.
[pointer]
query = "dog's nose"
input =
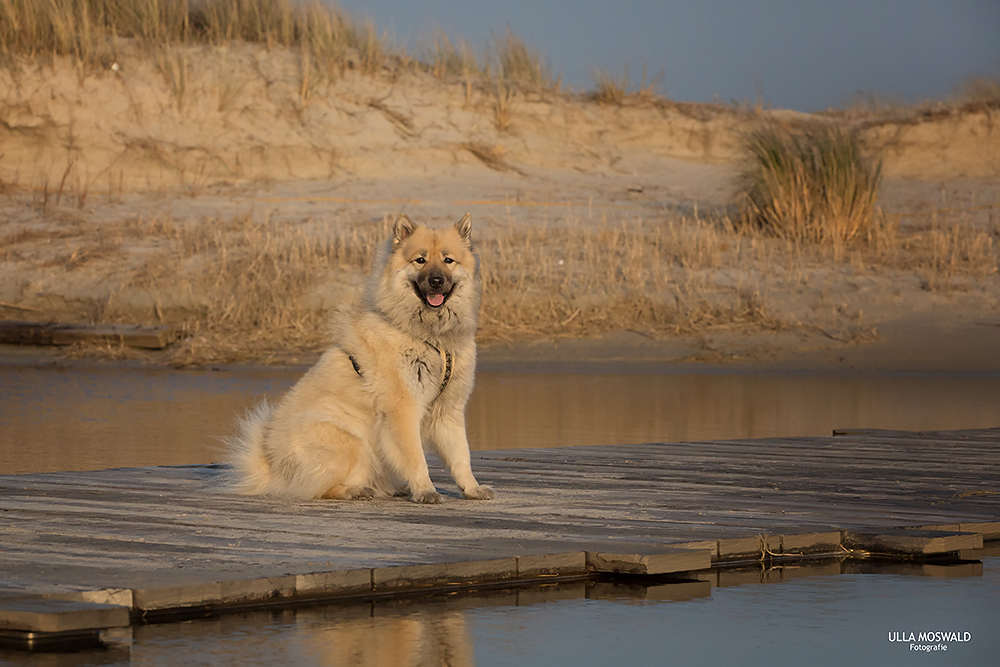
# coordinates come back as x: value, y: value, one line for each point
x: 435, y: 281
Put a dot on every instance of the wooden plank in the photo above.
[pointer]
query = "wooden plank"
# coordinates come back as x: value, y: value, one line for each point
x: 330, y: 584
x: 52, y: 616
x: 740, y: 548
x: 911, y: 541
x: 439, y: 574
x: 990, y: 530
x: 988, y: 435
x: 665, y: 561
x: 56, y: 333
x: 547, y: 565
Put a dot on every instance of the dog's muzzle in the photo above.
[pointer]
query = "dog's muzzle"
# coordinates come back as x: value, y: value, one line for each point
x: 434, y: 288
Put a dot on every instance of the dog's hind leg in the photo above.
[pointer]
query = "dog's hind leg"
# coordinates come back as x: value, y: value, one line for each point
x: 340, y: 492
x: 332, y: 463
x: 356, y: 485
x: 446, y: 432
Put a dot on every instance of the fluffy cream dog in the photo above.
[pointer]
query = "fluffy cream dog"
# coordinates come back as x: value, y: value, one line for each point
x: 397, y: 380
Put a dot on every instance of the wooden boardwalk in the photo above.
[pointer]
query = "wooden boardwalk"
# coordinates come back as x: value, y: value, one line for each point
x: 158, y: 539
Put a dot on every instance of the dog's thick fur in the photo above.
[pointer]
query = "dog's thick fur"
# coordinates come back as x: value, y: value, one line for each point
x: 356, y: 424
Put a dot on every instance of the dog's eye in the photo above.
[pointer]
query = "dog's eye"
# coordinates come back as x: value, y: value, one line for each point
x: 449, y: 260
x: 420, y: 260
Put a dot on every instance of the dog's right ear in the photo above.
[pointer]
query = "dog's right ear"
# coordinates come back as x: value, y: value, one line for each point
x: 402, y: 229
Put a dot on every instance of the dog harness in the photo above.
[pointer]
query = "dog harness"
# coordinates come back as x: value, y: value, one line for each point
x: 447, y: 364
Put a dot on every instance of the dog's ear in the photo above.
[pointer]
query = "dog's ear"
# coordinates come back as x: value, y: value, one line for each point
x: 403, y: 228
x: 464, y: 227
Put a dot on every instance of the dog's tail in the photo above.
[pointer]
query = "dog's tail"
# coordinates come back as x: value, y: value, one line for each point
x: 251, y: 473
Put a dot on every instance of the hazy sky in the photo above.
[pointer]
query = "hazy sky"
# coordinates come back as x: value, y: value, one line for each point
x: 805, y: 54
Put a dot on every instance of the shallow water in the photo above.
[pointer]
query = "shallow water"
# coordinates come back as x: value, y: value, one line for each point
x: 803, y: 615
x: 81, y: 418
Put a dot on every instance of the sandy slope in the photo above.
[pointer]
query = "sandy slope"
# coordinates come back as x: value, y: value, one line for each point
x: 219, y: 132
x: 209, y: 115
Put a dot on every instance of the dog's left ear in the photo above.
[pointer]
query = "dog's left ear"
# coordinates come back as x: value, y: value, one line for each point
x: 464, y: 227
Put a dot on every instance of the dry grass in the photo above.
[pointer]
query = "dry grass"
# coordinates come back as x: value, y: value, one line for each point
x: 91, y: 31
x: 581, y: 278
x: 810, y: 183
x: 240, y: 288
x: 973, y: 94
x: 617, y: 89
x: 244, y: 289
x: 503, y: 107
x: 949, y: 257
x: 491, y: 156
x: 610, y: 89
x: 979, y: 90
x: 258, y: 289
x: 510, y: 59
x: 447, y: 59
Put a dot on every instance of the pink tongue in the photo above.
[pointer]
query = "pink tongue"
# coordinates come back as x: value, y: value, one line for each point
x: 435, y: 299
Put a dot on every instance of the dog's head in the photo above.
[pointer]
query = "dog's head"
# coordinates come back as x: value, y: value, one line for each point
x: 431, y: 276
x: 435, y: 261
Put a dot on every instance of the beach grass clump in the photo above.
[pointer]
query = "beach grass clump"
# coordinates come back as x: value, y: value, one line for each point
x: 449, y: 59
x: 980, y: 90
x: 503, y: 107
x: 616, y: 89
x: 517, y: 63
x: 90, y: 30
x: 610, y: 88
x: 810, y: 183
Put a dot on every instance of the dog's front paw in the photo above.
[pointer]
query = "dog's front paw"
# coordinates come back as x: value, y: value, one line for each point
x: 479, y: 493
x: 429, y: 497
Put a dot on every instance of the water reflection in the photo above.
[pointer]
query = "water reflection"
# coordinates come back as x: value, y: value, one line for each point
x: 86, y: 418
x: 326, y: 637
x: 552, y: 410
x: 831, y: 613
x: 90, y: 418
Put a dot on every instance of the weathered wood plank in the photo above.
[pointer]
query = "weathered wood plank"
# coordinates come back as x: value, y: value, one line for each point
x: 912, y: 541
x: 666, y: 561
x: 60, y: 333
x: 51, y: 616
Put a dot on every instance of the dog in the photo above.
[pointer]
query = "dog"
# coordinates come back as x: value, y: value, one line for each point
x: 396, y: 380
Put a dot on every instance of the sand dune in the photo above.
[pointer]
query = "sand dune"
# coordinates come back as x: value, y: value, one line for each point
x: 200, y: 116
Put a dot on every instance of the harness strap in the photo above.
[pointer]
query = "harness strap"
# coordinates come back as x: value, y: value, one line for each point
x: 447, y: 366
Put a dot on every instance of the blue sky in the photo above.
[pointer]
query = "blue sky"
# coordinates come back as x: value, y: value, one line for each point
x: 806, y: 54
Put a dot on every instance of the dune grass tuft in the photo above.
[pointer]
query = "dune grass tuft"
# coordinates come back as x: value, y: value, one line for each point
x: 616, y: 89
x: 610, y: 88
x: 980, y: 90
x: 810, y: 183
x: 90, y: 30
x: 517, y: 63
x: 446, y: 58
